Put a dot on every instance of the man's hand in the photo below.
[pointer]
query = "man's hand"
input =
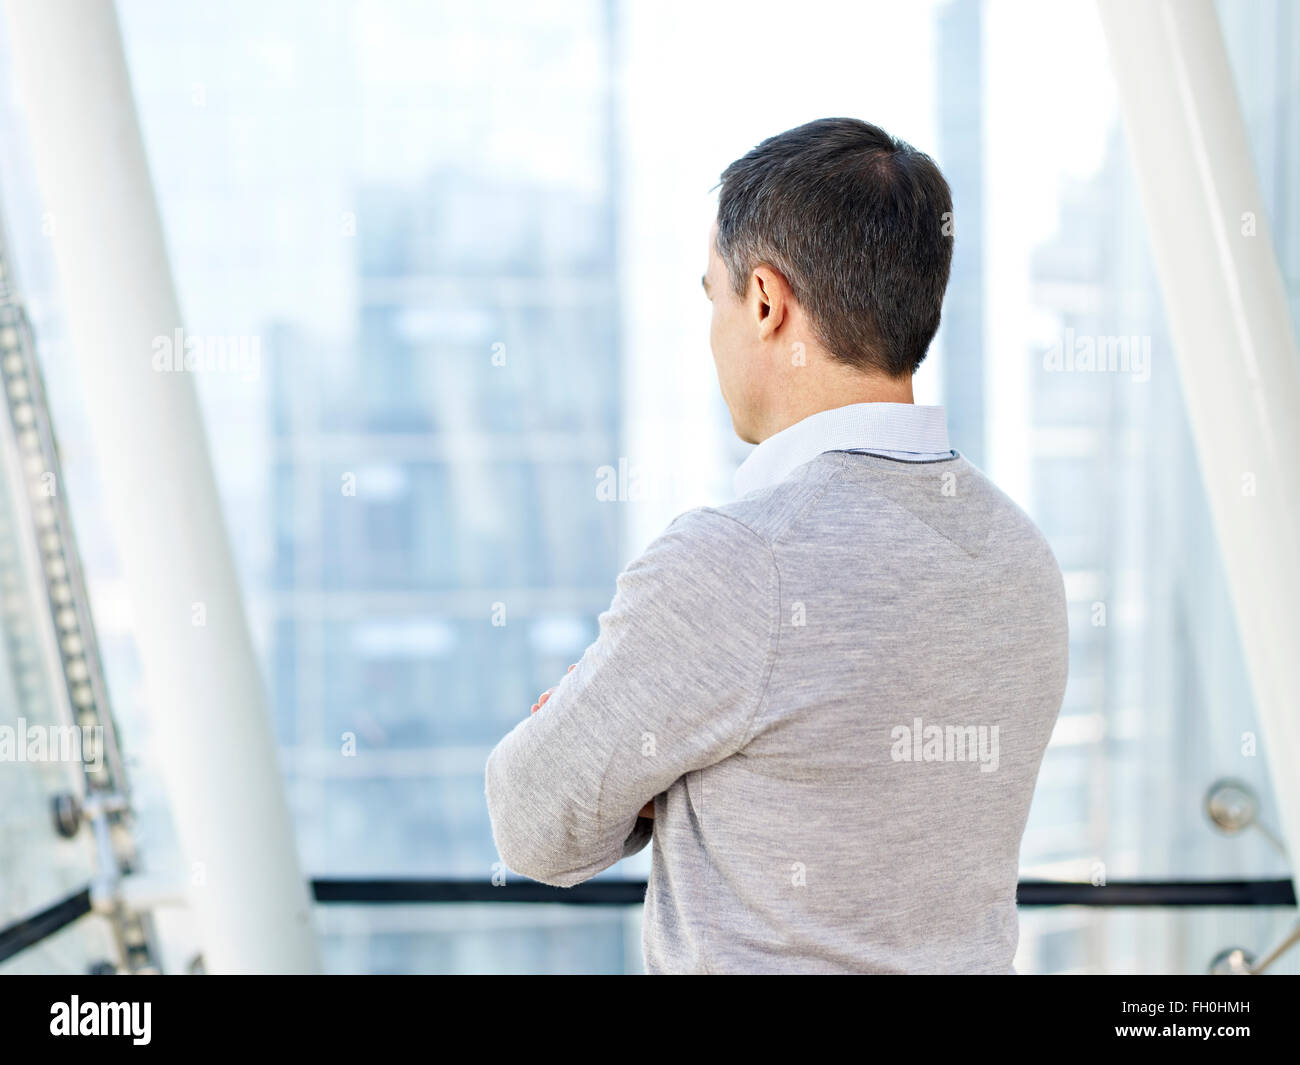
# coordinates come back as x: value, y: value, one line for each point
x: 648, y: 810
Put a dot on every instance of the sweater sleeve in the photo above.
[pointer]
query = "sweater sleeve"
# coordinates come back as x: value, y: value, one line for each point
x: 672, y: 684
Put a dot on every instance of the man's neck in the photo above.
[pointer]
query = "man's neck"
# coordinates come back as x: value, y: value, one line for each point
x: 833, y: 391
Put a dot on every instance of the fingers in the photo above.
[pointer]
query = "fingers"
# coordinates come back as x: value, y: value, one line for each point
x: 541, y: 699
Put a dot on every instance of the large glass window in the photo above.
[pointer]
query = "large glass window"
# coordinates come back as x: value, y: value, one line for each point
x: 459, y: 246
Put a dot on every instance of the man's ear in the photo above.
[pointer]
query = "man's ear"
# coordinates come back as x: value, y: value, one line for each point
x: 771, y: 300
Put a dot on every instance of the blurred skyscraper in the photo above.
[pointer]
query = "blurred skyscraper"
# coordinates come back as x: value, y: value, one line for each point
x: 1158, y: 705
x: 440, y: 551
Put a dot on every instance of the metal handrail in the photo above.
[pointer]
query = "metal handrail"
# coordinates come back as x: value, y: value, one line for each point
x: 1148, y: 894
x: 616, y: 892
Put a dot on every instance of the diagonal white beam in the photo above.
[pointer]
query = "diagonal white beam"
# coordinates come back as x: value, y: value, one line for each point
x: 1227, y: 312
x: 202, y: 681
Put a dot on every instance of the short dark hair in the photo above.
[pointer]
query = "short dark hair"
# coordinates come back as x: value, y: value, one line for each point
x: 858, y: 223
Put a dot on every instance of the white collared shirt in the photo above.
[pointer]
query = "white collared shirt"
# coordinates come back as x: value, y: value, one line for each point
x: 902, y: 431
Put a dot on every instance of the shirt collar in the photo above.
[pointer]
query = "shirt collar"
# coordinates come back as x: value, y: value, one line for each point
x: 893, y: 427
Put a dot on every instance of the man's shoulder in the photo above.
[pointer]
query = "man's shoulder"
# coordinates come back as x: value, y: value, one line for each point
x: 723, y: 530
x: 705, y: 556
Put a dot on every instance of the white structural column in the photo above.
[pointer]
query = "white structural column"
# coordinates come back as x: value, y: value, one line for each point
x: 201, y: 676
x: 1227, y: 312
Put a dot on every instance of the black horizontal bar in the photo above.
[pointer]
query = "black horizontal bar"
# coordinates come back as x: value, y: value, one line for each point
x: 591, y: 893
x: 632, y: 892
x: 30, y: 930
x: 1146, y: 893
x: 1158, y: 893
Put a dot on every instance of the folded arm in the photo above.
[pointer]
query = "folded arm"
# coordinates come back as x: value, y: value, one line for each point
x: 672, y: 684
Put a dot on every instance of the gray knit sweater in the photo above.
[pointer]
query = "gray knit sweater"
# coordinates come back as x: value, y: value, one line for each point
x: 837, y: 692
